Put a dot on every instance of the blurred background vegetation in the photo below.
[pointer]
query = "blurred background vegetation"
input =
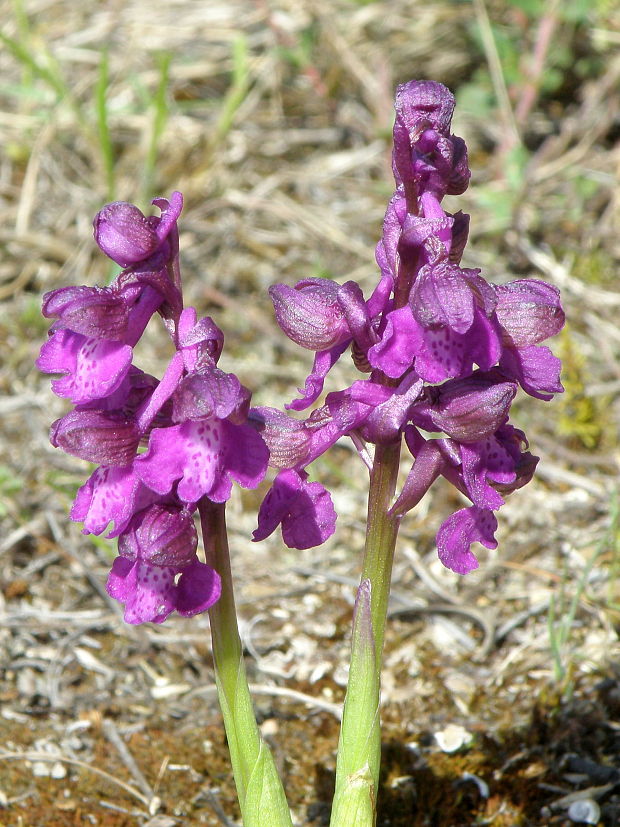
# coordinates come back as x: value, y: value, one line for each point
x: 274, y: 117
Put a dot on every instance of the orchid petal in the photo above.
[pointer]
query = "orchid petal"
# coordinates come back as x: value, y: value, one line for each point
x: 459, y: 531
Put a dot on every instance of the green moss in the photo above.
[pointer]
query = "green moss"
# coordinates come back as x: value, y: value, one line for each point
x: 582, y: 418
x: 596, y: 267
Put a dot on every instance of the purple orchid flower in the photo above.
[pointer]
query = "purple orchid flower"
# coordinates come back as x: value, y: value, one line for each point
x: 529, y: 312
x: 426, y: 157
x: 159, y: 545
x: 320, y: 315
x: 193, y: 422
x: 482, y: 470
x: 446, y: 352
x: 126, y: 236
x: 303, y: 509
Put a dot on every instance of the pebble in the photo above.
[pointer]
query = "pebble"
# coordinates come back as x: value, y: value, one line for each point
x: 585, y: 811
x: 453, y: 738
x: 58, y: 770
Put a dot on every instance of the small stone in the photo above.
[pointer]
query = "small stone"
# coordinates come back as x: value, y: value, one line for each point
x: 58, y: 770
x: 585, y: 811
x: 66, y: 804
x: 154, y: 805
x: 26, y: 682
x: 269, y: 728
x: 161, y: 821
x: 169, y: 690
x: 453, y: 738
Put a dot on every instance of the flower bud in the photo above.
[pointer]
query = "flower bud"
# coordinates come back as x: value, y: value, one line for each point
x: 288, y: 439
x: 104, y: 438
x: 310, y: 313
x: 124, y: 234
x: 423, y: 104
x: 210, y: 394
x: 458, y: 179
x: 96, y: 312
x: 529, y: 310
x: 468, y: 409
x: 431, y: 234
x: 203, y: 335
x: 162, y: 535
x: 424, y: 150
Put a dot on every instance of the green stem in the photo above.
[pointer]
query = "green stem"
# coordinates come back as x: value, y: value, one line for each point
x: 381, y: 533
x: 261, y: 795
x: 359, y: 747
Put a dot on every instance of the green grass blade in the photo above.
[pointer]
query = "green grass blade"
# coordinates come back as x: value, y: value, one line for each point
x: 159, y: 104
x: 103, y: 126
x: 50, y: 74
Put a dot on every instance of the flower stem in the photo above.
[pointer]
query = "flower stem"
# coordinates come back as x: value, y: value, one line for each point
x: 261, y: 795
x: 359, y: 747
x: 381, y: 533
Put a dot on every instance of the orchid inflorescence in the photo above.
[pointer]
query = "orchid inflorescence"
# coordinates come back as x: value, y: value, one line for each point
x: 445, y: 351
x: 441, y: 354
x: 441, y: 350
x: 193, y: 421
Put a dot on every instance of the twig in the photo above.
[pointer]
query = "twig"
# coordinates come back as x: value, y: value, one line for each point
x: 219, y: 812
x: 111, y: 733
x: 425, y: 576
x: 559, y: 273
x: 519, y: 618
x: 94, y: 581
x: 511, y: 130
x: 32, y: 527
x: 486, y: 624
x: 530, y: 89
x: 5, y: 755
x: 408, y: 607
x: 555, y: 473
x: 279, y: 692
x: 294, y: 695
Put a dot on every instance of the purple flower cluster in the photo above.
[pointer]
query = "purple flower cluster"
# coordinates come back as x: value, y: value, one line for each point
x: 443, y: 349
x: 161, y: 446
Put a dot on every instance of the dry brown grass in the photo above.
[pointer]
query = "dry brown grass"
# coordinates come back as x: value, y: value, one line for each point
x: 286, y: 175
